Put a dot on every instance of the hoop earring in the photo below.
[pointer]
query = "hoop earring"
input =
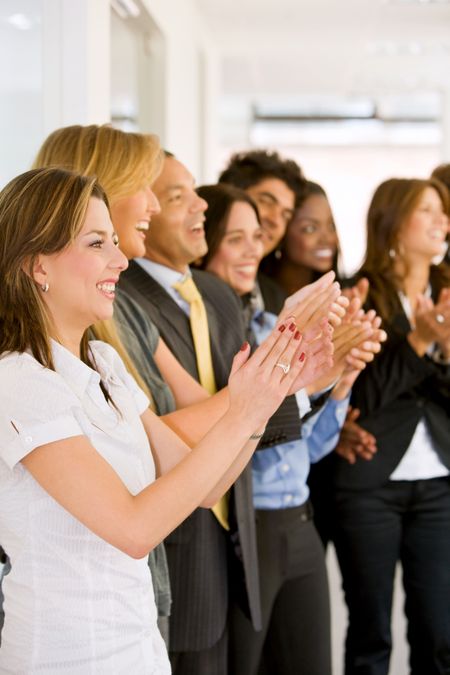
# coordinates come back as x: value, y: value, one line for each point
x: 45, y: 287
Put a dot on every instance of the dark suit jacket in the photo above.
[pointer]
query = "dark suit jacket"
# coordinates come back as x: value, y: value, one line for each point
x: 197, y: 550
x: 393, y: 393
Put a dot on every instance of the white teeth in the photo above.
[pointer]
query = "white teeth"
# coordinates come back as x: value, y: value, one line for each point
x: 324, y: 253
x: 142, y: 226
x: 437, y: 234
x: 198, y: 227
x: 107, y: 287
x: 247, y: 269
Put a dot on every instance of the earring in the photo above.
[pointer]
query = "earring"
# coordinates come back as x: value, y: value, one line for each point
x: 278, y: 254
x: 45, y: 287
x: 392, y: 253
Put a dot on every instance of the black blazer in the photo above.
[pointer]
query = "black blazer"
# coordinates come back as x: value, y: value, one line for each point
x: 197, y: 549
x: 394, y: 392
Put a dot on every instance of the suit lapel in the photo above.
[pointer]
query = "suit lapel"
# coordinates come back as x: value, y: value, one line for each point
x: 160, y: 301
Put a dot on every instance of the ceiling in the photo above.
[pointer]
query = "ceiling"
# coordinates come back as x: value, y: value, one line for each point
x: 280, y: 50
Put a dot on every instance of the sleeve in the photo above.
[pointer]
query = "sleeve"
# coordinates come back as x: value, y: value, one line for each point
x: 395, y: 371
x: 37, y: 407
x: 321, y: 431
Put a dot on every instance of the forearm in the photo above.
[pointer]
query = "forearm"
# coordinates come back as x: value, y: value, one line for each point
x: 194, y: 421
x: 220, y: 452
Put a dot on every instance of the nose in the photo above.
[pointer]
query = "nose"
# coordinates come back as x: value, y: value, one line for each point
x: 119, y: 261
x: 153, y: 202
x: 199, y: 205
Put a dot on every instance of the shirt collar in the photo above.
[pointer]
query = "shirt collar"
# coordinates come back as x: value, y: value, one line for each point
x: 165, y: 276
x: 75, y: 372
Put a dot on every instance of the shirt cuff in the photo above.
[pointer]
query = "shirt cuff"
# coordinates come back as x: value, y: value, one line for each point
x: 303, y: 402
x: 39, y: 434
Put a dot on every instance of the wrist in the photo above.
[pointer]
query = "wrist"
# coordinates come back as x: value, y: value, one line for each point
x: 419, y: 345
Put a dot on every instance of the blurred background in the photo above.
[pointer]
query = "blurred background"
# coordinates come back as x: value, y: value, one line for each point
x: 355, y: 90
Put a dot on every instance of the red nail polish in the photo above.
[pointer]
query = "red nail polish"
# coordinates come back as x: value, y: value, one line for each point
x: 281, y: 328
x: 244, y: 346
x: 292, y: 326
x: 297, y: 335
x: 302, y: 357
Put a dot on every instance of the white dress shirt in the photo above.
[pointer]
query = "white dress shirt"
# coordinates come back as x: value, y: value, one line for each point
x: 73, y: 603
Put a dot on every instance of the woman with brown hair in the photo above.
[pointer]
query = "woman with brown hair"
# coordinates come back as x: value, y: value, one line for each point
x: 397, y: 507
x: 90, y: 478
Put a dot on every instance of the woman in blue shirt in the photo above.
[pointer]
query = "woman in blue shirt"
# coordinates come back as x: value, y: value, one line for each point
x: 294, y: 586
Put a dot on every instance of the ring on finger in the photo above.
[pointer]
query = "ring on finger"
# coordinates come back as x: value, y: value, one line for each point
x: 440, y: 318
x: 285, y: 366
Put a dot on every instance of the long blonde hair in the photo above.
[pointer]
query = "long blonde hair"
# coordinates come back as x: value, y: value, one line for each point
x: 124, y: 163
x: 41, y: 212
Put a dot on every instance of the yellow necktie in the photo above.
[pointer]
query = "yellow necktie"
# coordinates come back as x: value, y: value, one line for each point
x: 200, y: 335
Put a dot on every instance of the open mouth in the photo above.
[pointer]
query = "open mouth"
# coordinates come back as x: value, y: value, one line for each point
x: 143, y: 226
x: 108, y: 288
x: 324, y: 253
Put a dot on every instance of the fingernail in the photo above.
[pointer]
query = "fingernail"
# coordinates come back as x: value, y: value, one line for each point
x: 302, y: 357
x: 297, y: 335
x: 282, y: 328
x: 292, y: 326
x: 244, y: 346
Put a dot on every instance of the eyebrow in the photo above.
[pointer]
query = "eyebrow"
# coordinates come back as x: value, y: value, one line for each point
x: 101, y: 233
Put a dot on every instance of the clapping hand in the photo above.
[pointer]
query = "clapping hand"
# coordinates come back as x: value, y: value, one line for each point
x: 259, y: 383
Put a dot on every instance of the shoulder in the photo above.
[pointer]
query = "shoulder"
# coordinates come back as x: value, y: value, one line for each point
x: 272, y: 293
x: 22, y: 372
x: 129, y: 312
x: 214, y: 288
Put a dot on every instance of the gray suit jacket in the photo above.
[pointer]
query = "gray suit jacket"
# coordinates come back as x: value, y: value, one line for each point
x: 198, y: 550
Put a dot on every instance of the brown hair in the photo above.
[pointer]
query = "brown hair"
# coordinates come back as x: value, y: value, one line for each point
x: 220, y: 198
x: 123, y: 162
x: 41, y: 212
x: 392, y: 204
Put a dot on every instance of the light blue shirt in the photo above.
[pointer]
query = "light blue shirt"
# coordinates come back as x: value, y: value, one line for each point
x: 280, y: 472
x: 166, y: 277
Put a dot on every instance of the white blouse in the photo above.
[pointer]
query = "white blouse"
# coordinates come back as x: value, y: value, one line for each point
x: 73, y: 603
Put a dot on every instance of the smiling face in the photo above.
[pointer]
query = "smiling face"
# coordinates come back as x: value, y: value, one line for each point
x: 176, y: 237
x: 131, y: 218
x: 82, y: 277
x: 423, y: 234
x: 311, y: 239
x: 275, y: 202
x: 238, y: 256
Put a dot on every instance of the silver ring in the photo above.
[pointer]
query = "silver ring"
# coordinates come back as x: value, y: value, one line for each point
x: 440, y: 318
x: 285, y: 366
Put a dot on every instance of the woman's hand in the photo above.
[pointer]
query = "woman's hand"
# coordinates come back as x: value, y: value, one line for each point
x: 431, y: 324
x: 314, y: 302
x: 259, y: 383
x: 318, y: 359
x: 355, y: 441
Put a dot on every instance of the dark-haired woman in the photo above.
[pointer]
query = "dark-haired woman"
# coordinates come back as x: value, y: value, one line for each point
x: 293, y: 579
x: 309, y: 249
x: 397, y: 507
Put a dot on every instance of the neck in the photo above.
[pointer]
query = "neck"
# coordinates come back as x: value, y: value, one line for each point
x: 181, y: 267
x: 416, y: 279
x: 291, y: 277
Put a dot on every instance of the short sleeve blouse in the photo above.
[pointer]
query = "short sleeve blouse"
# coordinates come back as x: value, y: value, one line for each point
x: 73, y: 603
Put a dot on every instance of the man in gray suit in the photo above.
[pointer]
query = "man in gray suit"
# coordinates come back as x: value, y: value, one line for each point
x: 206, y: 563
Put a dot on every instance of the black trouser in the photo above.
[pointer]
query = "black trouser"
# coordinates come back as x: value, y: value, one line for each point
x: 295, y: 638
x: 212, y: 661
x: 407, y: 521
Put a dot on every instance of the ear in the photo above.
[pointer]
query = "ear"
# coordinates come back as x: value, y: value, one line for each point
x: 37, y: 270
